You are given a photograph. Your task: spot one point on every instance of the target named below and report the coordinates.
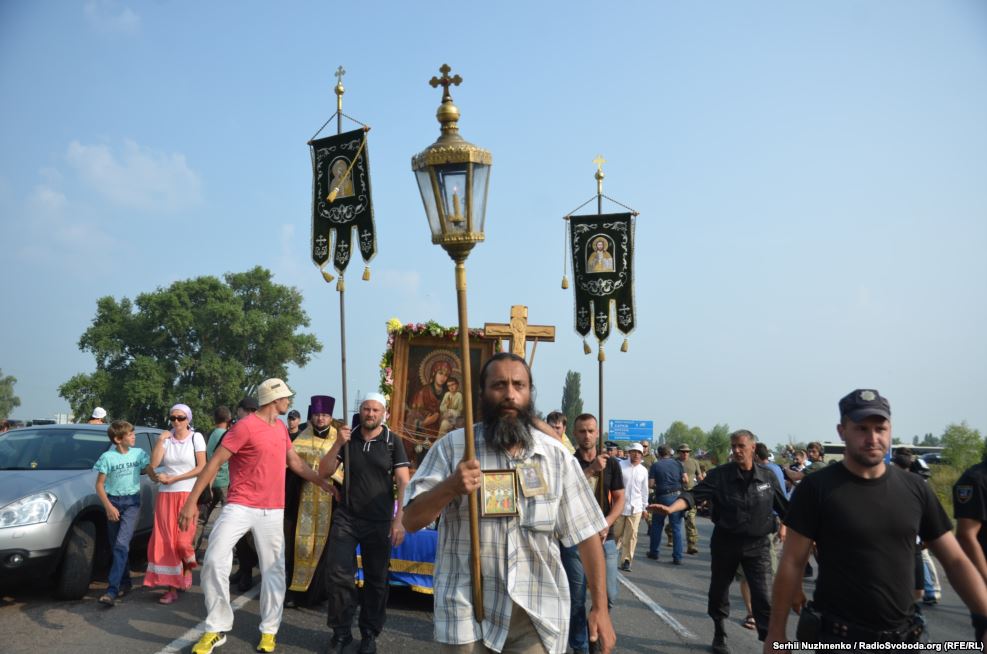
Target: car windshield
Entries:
(51, 449)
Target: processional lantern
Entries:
(452, 176)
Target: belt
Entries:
(848, 632)
(668, 491)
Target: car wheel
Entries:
(72, 578)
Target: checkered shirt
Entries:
(519, 556)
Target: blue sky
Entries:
(810, 178)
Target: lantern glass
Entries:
(452, 190)
(424, 177)
(478, 201)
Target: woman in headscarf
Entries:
(181, 454)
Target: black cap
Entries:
(610, 445)
(248, 404)
(294, 415)
(862, 403)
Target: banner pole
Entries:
(602, 492)
(341, 287)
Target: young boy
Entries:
(118, 487)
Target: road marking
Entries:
(676, 626)
(191, 637)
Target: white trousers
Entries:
(267, 526)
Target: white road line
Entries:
(191, 636)
(676, 626)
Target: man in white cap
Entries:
(636, 499)
(374, 463)
(98, 417)
(257, 448)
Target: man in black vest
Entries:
(373, 463)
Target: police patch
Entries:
(963, 493)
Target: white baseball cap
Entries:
(99, 413)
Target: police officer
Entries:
(970, 511)
(863, 516)
(745, 497)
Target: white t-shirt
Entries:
(179, 458)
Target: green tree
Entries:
(8, 401)
(201, 341)
(676, 434)
(572, 401)
(929, 439)
(962, 446)
(718, 444)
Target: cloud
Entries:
(136, 178)
(47, 200)
(110, 18)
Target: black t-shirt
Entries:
(371, 475)
(865, 533)
(613, 480)
(970, 499)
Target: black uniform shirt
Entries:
(970, 499)
(613, 480)
(741, 507)
(371, 474)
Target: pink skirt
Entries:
(170, 553)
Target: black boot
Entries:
(368, 645)
(719, 638)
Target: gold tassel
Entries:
(340, 285)
(565, 282)
(586, 349)
(601, 357)
(366, 273)
(625, 346)
(326, 275)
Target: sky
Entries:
(810, 179)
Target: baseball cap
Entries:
(294, 415)
(99, 413)
(272, 389)
(248, 404)
(636, 447)
(862, 403)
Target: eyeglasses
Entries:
(177, 418)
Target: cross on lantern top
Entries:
(339, 74)
(599, 161)
(445, 81)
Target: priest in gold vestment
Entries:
(308, 510)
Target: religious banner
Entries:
(602, 256)
(341, 199)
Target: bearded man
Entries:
(525, 591)
(307, 510)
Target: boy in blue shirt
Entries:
(118, 485)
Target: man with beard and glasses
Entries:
(375, 463)
(864, 516)
(525, 592)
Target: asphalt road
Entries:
(661, 608)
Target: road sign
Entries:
(632, 430)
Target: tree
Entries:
(8, 401)
(718, 444)
(676, 434)
(572, 402)
(201, 341)
(962, 446)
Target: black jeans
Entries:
(374, 538)
(727, 551)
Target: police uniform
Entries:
(743, 512)
(970, 501)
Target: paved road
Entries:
(661, 608)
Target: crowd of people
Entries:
(573, 522)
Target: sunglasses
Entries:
(177, 418)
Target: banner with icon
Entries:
(602, 257)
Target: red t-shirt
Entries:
(258, 462)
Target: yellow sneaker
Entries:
(209, 641)
(266, 643)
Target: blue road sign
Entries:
(632, 430)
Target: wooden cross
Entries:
(519, 331)
(339, 74)
(445, 80)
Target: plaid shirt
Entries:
(519, 556)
